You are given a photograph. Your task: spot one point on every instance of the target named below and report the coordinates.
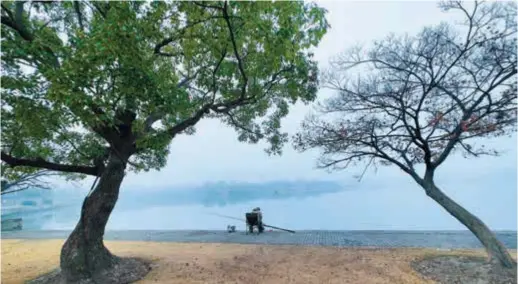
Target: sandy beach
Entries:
(186, 263)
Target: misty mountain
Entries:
(225, 193)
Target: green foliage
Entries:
(65, 61)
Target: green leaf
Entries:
(112, 64)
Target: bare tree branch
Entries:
(26, 181)
(418, 99)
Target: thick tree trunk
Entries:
(495, 249)
(84, 258)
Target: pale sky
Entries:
(386, 199)
(214, 152)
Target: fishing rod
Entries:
(273, 227)
(224, 216)
(238, 219)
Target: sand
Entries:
(234, 263)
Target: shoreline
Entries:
(385, 239)
(297, 230)
(25, 259)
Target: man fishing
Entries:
(256, 211)
(260, 226)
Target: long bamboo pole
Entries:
(273, 227)
(269, 226)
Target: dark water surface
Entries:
(431, 239)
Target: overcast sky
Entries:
(386, 199)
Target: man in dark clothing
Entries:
(260, 226)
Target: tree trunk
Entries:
(84, 258)
(495, 249)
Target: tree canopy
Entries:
(415, 100)
(409, 100)
(77, 74)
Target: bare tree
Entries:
(26, 181)
(416, 100)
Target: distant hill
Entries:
(226, 193)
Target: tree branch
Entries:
(16, 23)
(458, 130)
(40, 163)
(236, 53)
(14, 190)
(26, 181)
(156, 116)
(166, 41)
(173, 131)
(77, 8)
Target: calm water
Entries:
(432, 239)
(378, 209)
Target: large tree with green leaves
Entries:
(415, 100)
(95, 88)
